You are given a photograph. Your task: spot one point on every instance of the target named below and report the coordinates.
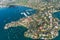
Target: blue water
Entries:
(8, 15)
(13, 14)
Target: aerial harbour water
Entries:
(11, 14)
(25, 20)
